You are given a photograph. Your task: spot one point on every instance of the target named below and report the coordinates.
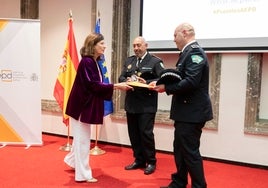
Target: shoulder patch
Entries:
(196, 59)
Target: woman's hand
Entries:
(122, 86)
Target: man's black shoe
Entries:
(173, 184)
(149, 169)
(134, 166)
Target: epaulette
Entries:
(157, 57)
(132, 57)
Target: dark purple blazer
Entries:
(88, 93)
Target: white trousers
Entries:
(79, 156)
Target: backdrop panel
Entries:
(20, 101)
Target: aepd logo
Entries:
(6, 75)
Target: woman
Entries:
(86, 105)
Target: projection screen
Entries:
(219, 24)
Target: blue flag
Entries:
(108, 105)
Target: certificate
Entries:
(139, 84)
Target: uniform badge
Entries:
(196, 59)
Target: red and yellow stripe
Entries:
(67, 73)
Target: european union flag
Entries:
(108, 105)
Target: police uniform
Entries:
(141, 107)
(190, 109)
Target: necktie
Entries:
(138, 62)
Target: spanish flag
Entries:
(67, 72)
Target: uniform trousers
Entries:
(140, 131)
(79, 156)
(187, 155)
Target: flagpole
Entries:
(68, 146)
(96, 150)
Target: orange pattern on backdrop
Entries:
(8, 134)
(3, 23)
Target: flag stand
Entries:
(68, 146)
(96, 150)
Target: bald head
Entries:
(139, 39)
(186, 28)
(140, 46)
(183, 34)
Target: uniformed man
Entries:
(141, 105)
(190, 108)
